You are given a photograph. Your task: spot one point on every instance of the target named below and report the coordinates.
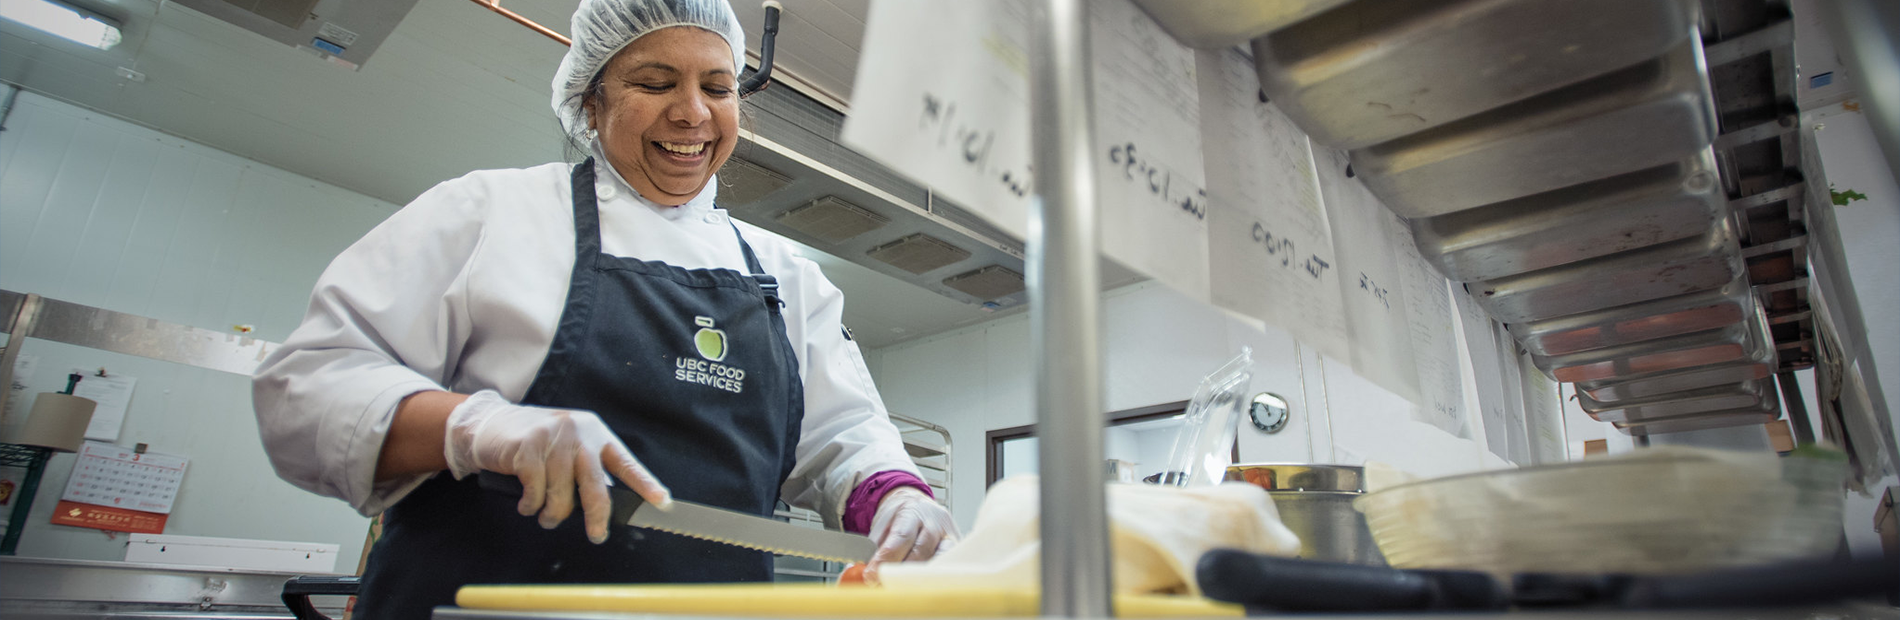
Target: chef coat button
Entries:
(606, 192)
(715, 218)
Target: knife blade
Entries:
(718, 525)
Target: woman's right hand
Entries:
(555, 452)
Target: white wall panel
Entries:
(105, 213)
(1158, 344)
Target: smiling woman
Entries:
(666, 110)
(587, 325)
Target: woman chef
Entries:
(582, 326)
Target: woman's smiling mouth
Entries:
(682, 150)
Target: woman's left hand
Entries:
(909, 527)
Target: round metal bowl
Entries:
(1315, 501)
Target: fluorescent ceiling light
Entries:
(63, 21)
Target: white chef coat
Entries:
(462, 290)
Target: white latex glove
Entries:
(554, 452)
(909, 527)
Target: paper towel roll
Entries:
(58, 421)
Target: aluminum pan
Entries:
(1757, 395)
(1615, 390)
(1649, 320)
(1217, 24)
(1621, 213)
(1376, 70)
(1639, 117)
(1680, 267)
(1700, 423)
(1741, 342)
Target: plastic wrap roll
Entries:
(58, 421)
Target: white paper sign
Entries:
(109, 475)
(1268, 239)
(942, 95)
(1441, 390)
(945, 99)
(1487, 372)
(1543, 414)
(1373, 295)
(24, 367)
(1152, 187)
(114, 395)
(1516, 435)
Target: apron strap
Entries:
(586, 216)
(767, 283)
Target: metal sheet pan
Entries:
(1618, 390)
(1758, 395)
(1700, 423)
(1376, 70)
(1217, 24)
(1680, 267)
(1643, 116)
(1638, 322)
(1747, 341)
(1621, 213)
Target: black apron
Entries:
(690, 367)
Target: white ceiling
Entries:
(454, 88)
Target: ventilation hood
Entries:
(344, 32)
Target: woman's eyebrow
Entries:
(653, 65)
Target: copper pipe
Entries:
(495, 5)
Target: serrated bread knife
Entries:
(717, 524)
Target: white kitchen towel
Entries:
(1157, 535)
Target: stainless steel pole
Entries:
(1065, 303)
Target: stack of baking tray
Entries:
(1555, 157)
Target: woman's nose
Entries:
(691, 108)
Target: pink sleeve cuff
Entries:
(861, 508)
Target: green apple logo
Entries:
(710, 342)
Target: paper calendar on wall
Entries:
(109, 475)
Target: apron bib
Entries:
(691, 368)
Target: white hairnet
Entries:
(603, 27)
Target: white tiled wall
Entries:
(101, 212)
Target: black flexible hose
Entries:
(756, 82)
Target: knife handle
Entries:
(1268, 583)
(624, 501)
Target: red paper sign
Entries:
(108, 518)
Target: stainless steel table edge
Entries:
(1866, 611)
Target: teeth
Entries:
(684, 149)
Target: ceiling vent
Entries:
(742, 183)
(918, 253)
(290, 13)
(832, 219)
(992, 282)
(344, 32)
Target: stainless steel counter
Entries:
(38, 588)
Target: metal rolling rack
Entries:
(929, 448)
(1580, 114)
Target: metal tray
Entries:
(1649, 320)
(1621, 213)
(1758, 395)
(1617, 390)
(1218, 24)
(1704, 262)
(1741, 342)
(1698, 423)
(1380, 69)
(1642, 116)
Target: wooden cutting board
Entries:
(809, 600)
